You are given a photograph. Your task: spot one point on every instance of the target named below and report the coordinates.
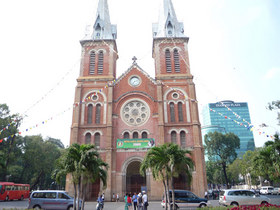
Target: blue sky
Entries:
(234, 53)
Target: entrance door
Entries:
(134, 181)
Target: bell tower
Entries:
(92, 114)
(172, 71)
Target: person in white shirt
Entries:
(145, 200)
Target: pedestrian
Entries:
(118, 197)
(145, 200)
(103, 196)
(134, 199)
(125, 201)
(140, 202)
(113, 197)
(129, 201)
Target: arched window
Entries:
(92, 63)
(183, 139)
(100, 62)
(97, 114)
(168, 61)
(126, 135)
(97, 140)
(88, 138)
(172, 112)
(180, 112)
(176, 61)
(144, 135)
(173, 137)
(89, 114)
(135, 135)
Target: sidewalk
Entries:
(153, 205)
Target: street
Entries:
(154, 205)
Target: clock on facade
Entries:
(134, 81)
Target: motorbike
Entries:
(99, 206)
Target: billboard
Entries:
(135, 143)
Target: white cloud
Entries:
(270, 74)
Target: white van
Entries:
(266, 190)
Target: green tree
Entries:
(166, 162)
(38, 161)
(234, 171)
(275, 105)
(267, 162)
(84, 165)
(8, 148)
(220, 148)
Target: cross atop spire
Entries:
(134, 59)
(168, 25)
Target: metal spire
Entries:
(102, 28)
(168, 25)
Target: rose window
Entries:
(135, 112)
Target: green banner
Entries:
(135, 143)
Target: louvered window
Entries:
(97, 114)
(173, 137)
(168, 61)
(172, 112)
(97, 140)
(176, 61)
(100, 62)
(180, 112)
(88, 138)
(135, 135)
(183, 139)
(89, 114)
(92, 63)
(126, 135)
(144, 135)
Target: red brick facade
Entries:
(109, 108)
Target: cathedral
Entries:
(125, 116)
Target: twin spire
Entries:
(167, 26)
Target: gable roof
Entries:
(136, 66)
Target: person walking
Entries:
(140, 202)
(118, 197)
(125, 201)
(134, 199)
(129, 202)
(145, 200)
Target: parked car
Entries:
(185, 199)
(276, 191)
(266, 190)
(50, 199)
(235, 197)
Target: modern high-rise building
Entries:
(229, 116)
(125, 116)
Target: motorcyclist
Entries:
(100, 202)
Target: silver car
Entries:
(235, 197)
(50, 199)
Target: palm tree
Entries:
(165, 162)
(85, 165)
(156, 160)
(178, 163)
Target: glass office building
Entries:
(226, 117)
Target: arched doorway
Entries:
(181, 182)
(93, 190)
(134, 181)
